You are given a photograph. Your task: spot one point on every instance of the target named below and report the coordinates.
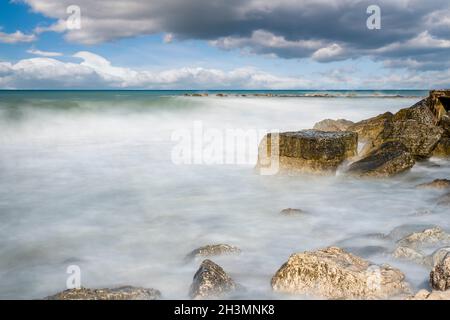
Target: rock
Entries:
(438, 256)
(213, 250)
(370, 129)
(440, 275)
(335, 274)
(122, 293)
(444, 200)
(434, 295)
(443, 148)
(406, 253)
(436, 184)
(333, 125)
(389, 159)
(210, 280)
(308, 151)
(405, 230)
(292, 212)
(426, 237)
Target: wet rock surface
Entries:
(121, 293)
(211, 281)
(309, 151)
(388, 159)
(213, 250)
(335, 274)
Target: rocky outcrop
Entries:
(213, 250)
(122, 293)
(435, 184)
(335, 274)
(210, 281)
(309, 151)
(434, 295)
(440, 275)
(438, 256)
(388, 159)
(370, 129)
(426, 237)
(292, 212)
(333, 125)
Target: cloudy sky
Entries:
(224, 44)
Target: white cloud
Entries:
(330, 53)
(16, 37)
(44, 53)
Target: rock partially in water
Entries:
(426, 237)
(440, 275)
(444, 200)
(308, 151)
(333, 125)
(335, 274)
(406, 253)
(438, 256)
(122, 293)
(434, 295)
(435, 184)
(211, 281)
(292, 212)
(406, 229)
(212, 250)
(370, 129)
(389, 159)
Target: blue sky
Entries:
(217, 44)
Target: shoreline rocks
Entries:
(121, 293)
(440, 275)
(389, 159)
(335, 274)
(307, 151)
(212, 250)
(211, 280)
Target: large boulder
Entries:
(333, 125)
(308, 151)
(388, 159)
(211, 281)
(335, 274)
(213, 250)
(122, 293)
(440, 275)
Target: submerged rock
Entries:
(336, 274)
(434, 295)
(310, 151)
(210, 280)
(389, 159)
(213, 250)
(122, 293)
(426, 237)
(292, 212)
(440, 275)
(436, 184)
(333, 125)
(406, 253)
(444, 200)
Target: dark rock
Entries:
(333, 125)
(440, 275)
(122, 293)
(388, 159)
(307, 151)
(213, 250)
(436, 184)
(210, 280)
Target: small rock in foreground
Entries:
(211, 281)
(122, 293)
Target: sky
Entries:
(224, 44)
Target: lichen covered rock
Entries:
(335, 274)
